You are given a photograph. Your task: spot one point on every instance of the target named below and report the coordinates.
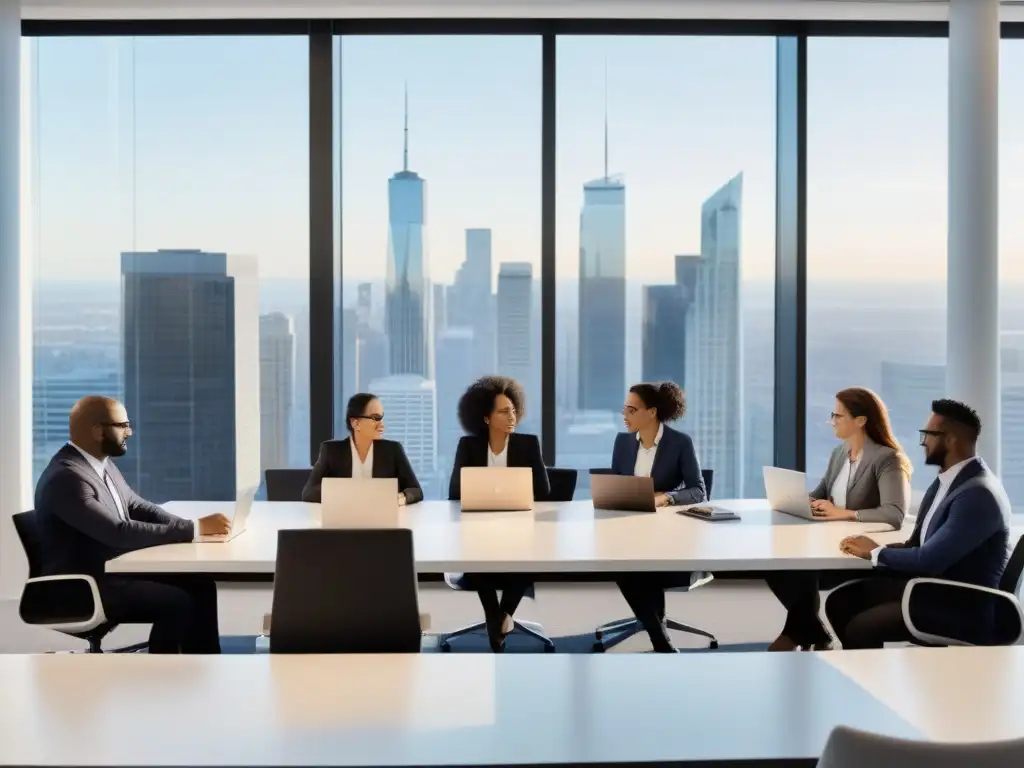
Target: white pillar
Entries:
(972, 288)
(15, 311)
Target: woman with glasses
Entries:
(867, 480)
(651, 448)
(489, 411)
(364, 453)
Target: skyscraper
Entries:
(407, 298)
(664, 334)
(602, 292)
(472, 299)
(515, 335)
(410, 412)
(277, 383)
(714, 342)
(191, 374)
(52, 399)
(456, 368)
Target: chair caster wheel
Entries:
(713, 644)
(445, 647)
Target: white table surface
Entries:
(570, 537)
(426, 709)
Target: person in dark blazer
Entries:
(650, 447)
(868, 481)
(364, 453)
(489, 411)
(88, 515)
(961, 534)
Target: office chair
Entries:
(1009, 615)
(851, 748)
(67, 603)
(563, 488)
(345, 591)
(286, 484)
(611, 634)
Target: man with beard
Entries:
(87, 515)
(961, 534)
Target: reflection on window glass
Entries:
(876, 228)
(439, 147)
(169, 214)
(666, 237)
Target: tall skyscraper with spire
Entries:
(407, 300)
(602, 287)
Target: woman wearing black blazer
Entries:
(488, 411)
(651, 448)
(364, 453)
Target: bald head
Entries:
(99, 425)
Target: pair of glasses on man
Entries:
(372, 417)
(118, 424)
(926, 433)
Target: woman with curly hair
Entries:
(488, 412)
(651, 448)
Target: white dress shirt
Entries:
(361, 470)
(497, 459)
(645, 456)
(842, 481)
(946, 479)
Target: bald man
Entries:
(88, 515)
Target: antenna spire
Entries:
(405, 137)
(606, 120)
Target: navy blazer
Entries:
(79, 526)
(523, 451)
(389, 460)
(676, 471)
(968, 535)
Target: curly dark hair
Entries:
(961, 415)
(666, 397)
(477, 402)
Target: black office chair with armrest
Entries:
(345, 591)
(286, 484)
(852, 748)
(563, 488)
(611, 634)
(68, 603)
(1006, 604)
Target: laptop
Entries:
(496, 489)
(239, 519)
(787, 492)
(622, 493)
(348, 502)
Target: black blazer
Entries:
(79, 526)
(676, 471)
(523, 451)
(389, 460)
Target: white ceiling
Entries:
(626, 9)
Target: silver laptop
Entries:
(622, 493)
(348, 502)
(496, 489)
(787, 492)
(239, 519)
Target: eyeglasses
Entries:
(118, 424)
(629, 410)
(836, 416)
(926, 433)
(372, 416)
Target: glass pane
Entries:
(876, 233)
(666, 244)
(169, 213)
(440, 164)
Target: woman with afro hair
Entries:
(489, 411)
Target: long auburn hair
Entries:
(860, 401)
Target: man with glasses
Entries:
(961, 534)
(88, 515)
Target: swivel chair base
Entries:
(531, 628)
(609, 635)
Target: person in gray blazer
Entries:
(867, 480)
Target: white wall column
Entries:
(15, 311)
(972, 292)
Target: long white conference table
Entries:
(494, 710)
(554, 538)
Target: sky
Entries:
(203, 142)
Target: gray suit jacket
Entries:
(78, 520)
(879, 491)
